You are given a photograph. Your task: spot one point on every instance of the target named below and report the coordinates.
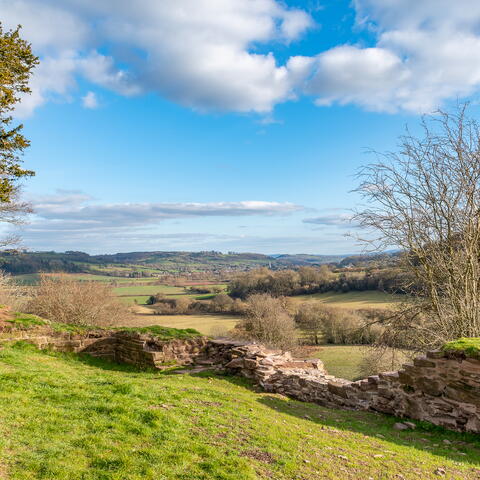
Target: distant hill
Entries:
(159, 262)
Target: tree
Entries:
(267, 321)
(425, 201)
(310, 317)
(16, 64)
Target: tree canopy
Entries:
(16, 65)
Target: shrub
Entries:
(11, 294)
(267, 321)
(338, 326)
(66, 300)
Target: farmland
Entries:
(353, 300)
(208, 324)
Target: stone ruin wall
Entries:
(437, 388)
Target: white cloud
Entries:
(342, 220)
(90, 100)
(200, 53)
(69, 211)
(426, 53)
(205, 54)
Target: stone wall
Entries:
(438, 388)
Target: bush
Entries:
(339, 326)
(11, 294)
(267, 321)
(66, 300)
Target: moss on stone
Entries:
(469, 347)
(164, 333)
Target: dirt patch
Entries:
(259, 455)
(5, 315)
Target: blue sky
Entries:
(226, 125)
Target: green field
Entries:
(65, 417)
(352, 300)
(341, 360)
(344, 360)
(149, 290)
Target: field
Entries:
(65, 417)
(341, 360)
(352, 300)
(131, 290)
(208, 324)
(344, 360)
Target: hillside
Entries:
(150, 263)
(70, 417)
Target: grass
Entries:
(208, 324)
(148, 290)
(164, 333)
(65, 417)
(341, 360)
(352, 300)
(25, 320)
(470, 347)
(135, 299)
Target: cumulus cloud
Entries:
(90, 100)
(425, 52)
(200, 53)
(214, 55)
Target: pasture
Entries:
(208, 324)
(352, 300)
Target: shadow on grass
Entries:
(459, 447)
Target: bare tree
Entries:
(267, 321)
(425, 201)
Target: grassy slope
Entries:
(64, 417)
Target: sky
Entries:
(230, 125)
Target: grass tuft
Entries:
(470, 347)
(164, 333)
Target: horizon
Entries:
(195, 125)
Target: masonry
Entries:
(440, 388)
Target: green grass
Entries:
(148, 290)
(344, 360)
(164, 333)
(353, 300)
(26, 320)
(135, 299)
(469, 347)
(65, 417)
(341, 360)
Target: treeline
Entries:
(16, 263)
(221, 303)
(307, 280)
